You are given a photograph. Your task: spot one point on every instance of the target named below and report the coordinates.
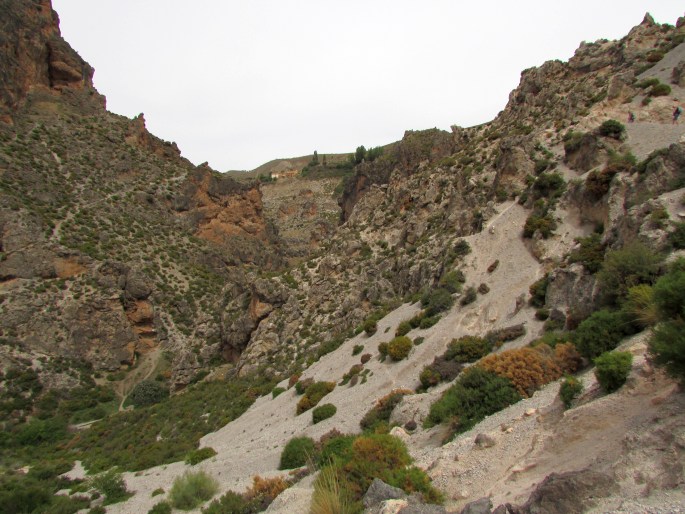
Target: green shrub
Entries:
(660, 89)
(601, 332)
(160, 508)
(231, 503)
(429, 321)
(549, 185)
(677, 237)
(467, 349)
(276, 391)
(296, 453)
(542, 222)
(382, 410)
(337, 447)
(612, 128)
(302, 385)
(569, 390)
(399, 348)
(622, 269)
(355, 370)
(147, 393)
(475, 395)
(612, 369)
(383, 350)
(538, 292)
(191, 489)
(441, 370)
(370, 326)
(199, 455)
(667, 345)
(111, 485)
(403, 328)
(436, 301)
(419, 340)
(322, 412)
(470, 295)
(312, 396)
(358, 348)
(669, 292)
(452, 281)
(590, 253)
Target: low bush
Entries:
(365, 358)
(667, 343)
(527, 368)
(632, 265)
(148, 392)
(112, 486)
(543, 223)
(230, 503)
(467, 349)
(589, 253)
(354, 370)
(429, 321)
(476, 394)
(381, 412)
(196, 456)
(302, 385)
(677, 237)
(569, 390)
(191, 489)
(313, 395)
(277, 391)
(538, 292)
(403, 328)
(469, 296)
(502, 335)
(612, 369)
(160, 508)
(660, 89)
(358, 348)
(567, 357)
(296, 453)
(370, 326)
(601, 332)
(322, 412)
(452, 281)
(399, 348)
(612, 128)
(437, 301)
(549, 185)
(383, 350)
(441, 370)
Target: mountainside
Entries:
(511, 254)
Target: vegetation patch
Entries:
(322, 412)
(190, 490)
(612, 369)
(381, 412)
(313, 395)
(197, 456)
(399, 348)
(296, 453)
(476, 394)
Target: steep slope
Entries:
(131, 249)
(121, 244)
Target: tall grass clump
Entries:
(192, 489)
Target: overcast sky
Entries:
(238, 83)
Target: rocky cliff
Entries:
(119, 243)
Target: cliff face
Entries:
(34, 55)
(122, 246)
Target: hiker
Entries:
(631, 117)
(676, 113)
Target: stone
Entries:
(480, 506)
(484, 441)
(379, 492)
(561, 493)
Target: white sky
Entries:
(238, 83)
